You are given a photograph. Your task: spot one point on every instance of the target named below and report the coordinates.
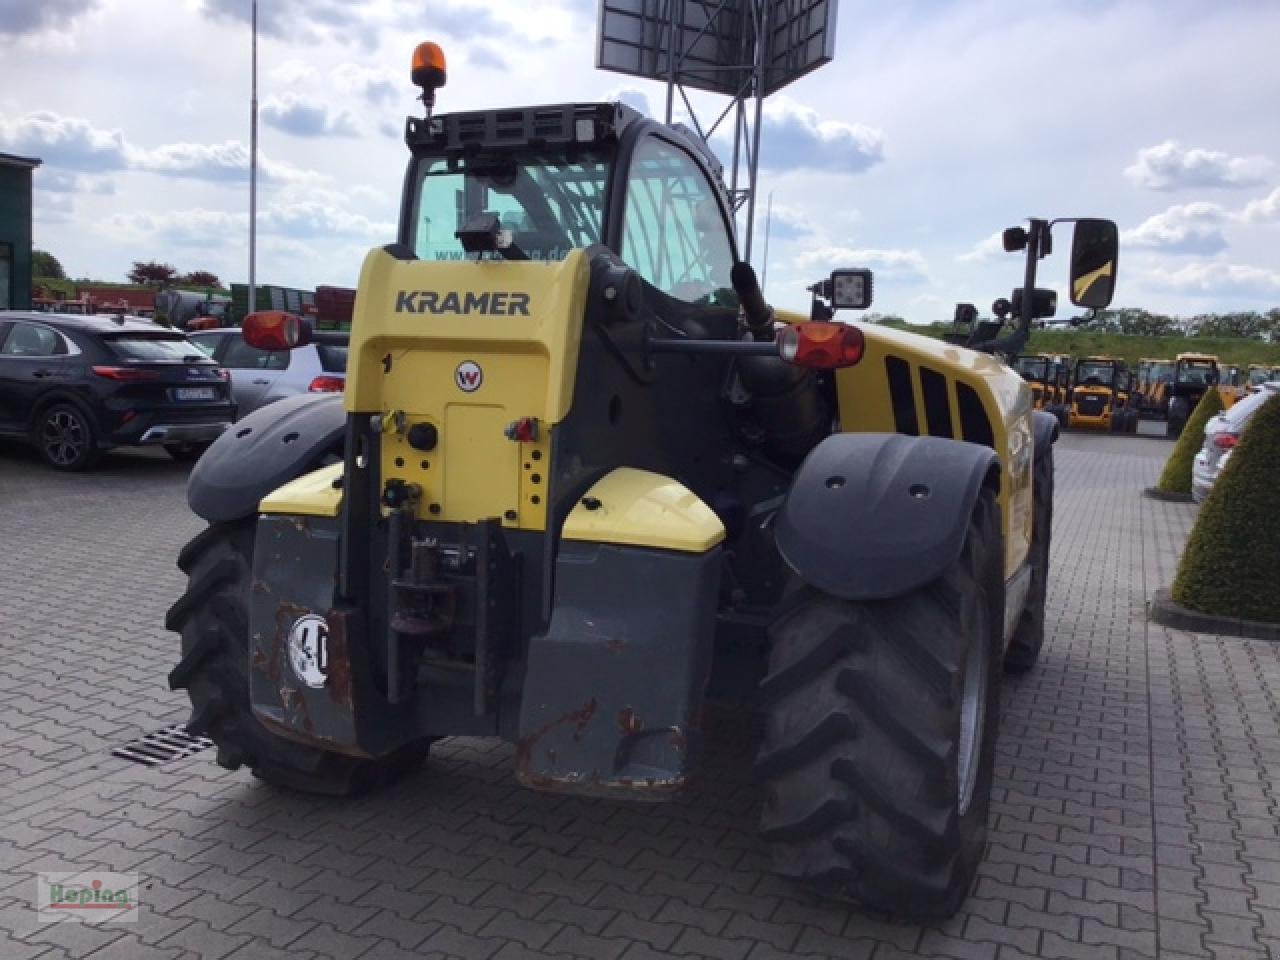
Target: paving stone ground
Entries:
(1134, 812)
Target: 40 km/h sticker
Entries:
(309, 649)
(468, 376)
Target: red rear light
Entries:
(128, 374)
(1226, 441)
(276, 330)
(224, 373)
(324, 384)
(821, 346)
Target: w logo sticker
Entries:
(468, 376)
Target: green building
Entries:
(15, 231)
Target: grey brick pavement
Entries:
(1133, 816)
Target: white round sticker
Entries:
(468, 376)
(309, 649)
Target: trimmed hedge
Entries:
(1176, 477)
(1231, 566)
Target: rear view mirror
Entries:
(1095, 251)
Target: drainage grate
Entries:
(163, 746)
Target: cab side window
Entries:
(674, 234)
(29, 340)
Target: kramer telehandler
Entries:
(581, 468)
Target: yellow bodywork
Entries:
(405, 366)
(867, 406)
(409, 367)
(640, 508)
(311, 495)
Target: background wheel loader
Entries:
(1044, 374)
(1103, 396)
(581, 470)
(1193, 374)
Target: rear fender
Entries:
(1045, 429)
(872, 515)
(273, 445)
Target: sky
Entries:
(937, 124)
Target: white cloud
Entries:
(24, 17)
(53, 208)
(1221, 279)
(1170, 166)
(297, 221)
(988, 249)
(291, 72)
(1266, 210)
(69, 142)
(794, 137)
(306, 117)
(902, 266)
(369, 83)
(1183, 228)
(73, 143)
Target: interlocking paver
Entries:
(1133, 815)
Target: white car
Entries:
(1221, 434)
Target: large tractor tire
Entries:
(881, 726)
(213, 618)
(1028, 633)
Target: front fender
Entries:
(268, 448)
(874, 515)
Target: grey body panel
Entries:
(873, 515)
(263, 451)
(614, 687)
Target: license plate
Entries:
(194, 393)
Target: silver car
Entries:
(259, 377)
(1221, 434)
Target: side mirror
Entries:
(1095, 252)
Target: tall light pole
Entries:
(253, 166)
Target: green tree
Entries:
(1176, 477)
(200, 278)
(45, 266)
(1232, 562)
(152, 274)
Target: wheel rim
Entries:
(64, 437)
(973, 712)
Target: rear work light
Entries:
(1226, 441)
(127, 374)
(276, 330)
(821, 346)
(325, 384)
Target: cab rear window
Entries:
(175, 349)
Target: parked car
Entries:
(259, 377)
(1221, 434)
(73, 386)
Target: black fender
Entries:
(271, 446)
(1045, 430)
(874, 515)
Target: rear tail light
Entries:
(324, 384)
(276, 330)
(821, 346)
(128, 374)
(224, 374)
(1226, 441)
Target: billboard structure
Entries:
(742, 49)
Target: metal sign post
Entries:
(742, 49)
